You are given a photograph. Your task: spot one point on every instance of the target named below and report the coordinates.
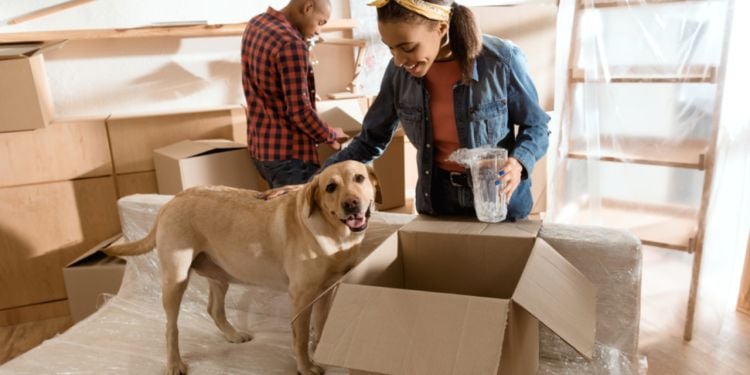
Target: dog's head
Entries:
(345, 193)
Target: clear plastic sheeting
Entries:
(126, 336)
(607, 360)
(636, 104)
(653, 131)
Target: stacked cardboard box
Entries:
(25, 101)
(56, 201)
(42, 228)
(59, 186)
(91, 276)
(134, 138)
(205, 162)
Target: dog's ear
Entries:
(375, 183)
(311, 190)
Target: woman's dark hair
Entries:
(465, 38)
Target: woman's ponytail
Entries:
(465, 39)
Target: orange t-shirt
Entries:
(440, 80)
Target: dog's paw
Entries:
(312, 370)
(239, 337)
(176, 369)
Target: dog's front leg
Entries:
(319, 316)
(301, 298)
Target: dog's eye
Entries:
(359, 178)
(330, 188)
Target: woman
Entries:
(451, 88)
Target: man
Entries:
(283, 128)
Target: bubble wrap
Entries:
(126, 336)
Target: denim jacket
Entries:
(499, 95)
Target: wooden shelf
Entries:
(361, 43)
(598, 4)
(687, 154)
(183, 31)
(666, 227)
(648, 74)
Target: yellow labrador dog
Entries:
(302, 241)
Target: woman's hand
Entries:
(510, 177)
(275, 193)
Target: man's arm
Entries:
(293, 64)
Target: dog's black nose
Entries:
(351, 206)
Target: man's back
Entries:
(280, 89)
(264, 35)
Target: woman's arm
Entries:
(524, 110)
(379, 125)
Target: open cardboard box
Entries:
(205, 162)
(457, 297)
(25, 100)
(90, 276)
(389, 167)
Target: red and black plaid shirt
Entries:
(280, 90)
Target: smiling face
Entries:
(414, 44)
(345, 193)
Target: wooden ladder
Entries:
(665, 226)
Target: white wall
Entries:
(99, 77)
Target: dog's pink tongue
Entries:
(356, 221)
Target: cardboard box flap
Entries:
(100, 246)
(26, 49)
(520, 229)
(398, 331)
(355, 107)
(559, 296)
(187, 149)
(338, 118)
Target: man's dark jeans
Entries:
(280, 173)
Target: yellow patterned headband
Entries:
(430, 11)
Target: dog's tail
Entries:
(139, 247)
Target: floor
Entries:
(718, 347)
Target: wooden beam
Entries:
(648, 74)
(687, 153)
(181, 31)
(743, 303)
(630, 3)
(344, 42)
(47, 11)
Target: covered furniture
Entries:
(126, 335)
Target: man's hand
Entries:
(341, 136)
(275, 193)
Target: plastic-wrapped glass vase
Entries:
(485, 162)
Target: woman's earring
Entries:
(447, 39)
